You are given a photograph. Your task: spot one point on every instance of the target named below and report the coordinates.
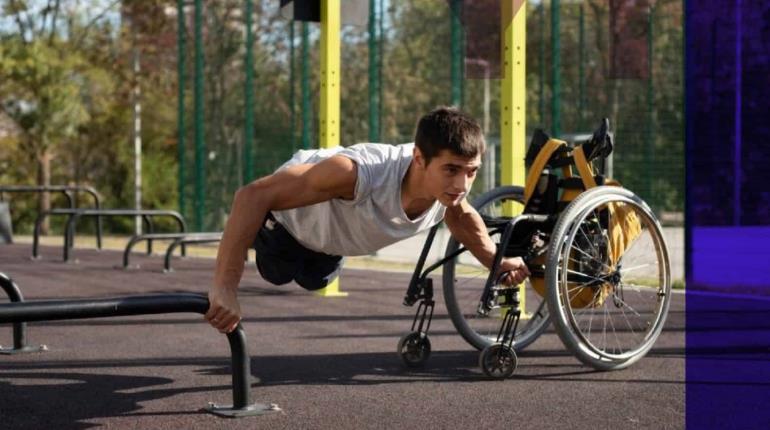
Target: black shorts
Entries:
(281, 259)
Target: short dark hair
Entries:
(449, 128)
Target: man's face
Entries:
(449, 177)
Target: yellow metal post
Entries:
(329, 112)
(513, 92)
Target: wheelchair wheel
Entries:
(414, 349)
(498, 361)
(608, 298)
(464, 278)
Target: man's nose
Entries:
(462, 183)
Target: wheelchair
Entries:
(596, 253)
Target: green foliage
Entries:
(67, 82)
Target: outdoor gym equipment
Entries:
(178, 239)
(68, 192)
(73, 215)
(185, 240)
(19, 328)
(50, 310)
(598, 260)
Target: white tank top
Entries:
(374, 218)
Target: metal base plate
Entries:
(22, 350)
(254, 409)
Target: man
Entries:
(325, 204)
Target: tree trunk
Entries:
(44, 179)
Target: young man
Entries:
(325, 204)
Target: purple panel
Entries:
(728, 213)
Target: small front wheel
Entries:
(498, 361)
(414, 348)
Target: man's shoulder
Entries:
(371, 152)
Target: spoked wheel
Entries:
(498, 361)
(464, 278)
(608, 278)
(414, 348)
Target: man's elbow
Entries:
(254, 193)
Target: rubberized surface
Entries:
(327, 362)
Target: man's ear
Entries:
(418, 157)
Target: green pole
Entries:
(456, 53)
(582, 72)
(305, 88)
(381, 44)
(541, 66)
(180, 146)
(374, 84)
(650, 108)
(248, 138)
(292, 105)
(200, 192)
(555, 66)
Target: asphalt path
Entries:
(326, 362)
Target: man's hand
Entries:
(515, 269)
(224, 312)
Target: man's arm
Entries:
(468, 228)
(293, 187)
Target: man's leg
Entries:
(319, 270)
(278, 259)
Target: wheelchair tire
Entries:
(464, 278)
(626, 305)
(414, 349)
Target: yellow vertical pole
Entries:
(329, 112)
(513, 92)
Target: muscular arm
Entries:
(468, 228)
(293, 187)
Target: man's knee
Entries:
(277, 273)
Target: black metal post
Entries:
(19, 328)
(195, 238)
(51, 310)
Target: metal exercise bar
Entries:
(51, 310)
(75, 214)
(67, 191)
(19, 328)
(193, 238)
(149, 237)
(164, 236)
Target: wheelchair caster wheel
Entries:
(498, 361)
(414, 348)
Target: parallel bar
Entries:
(75, 214)
(19, 328)
(164, 236)
(66, 190)
(185, 240)
(52, 310)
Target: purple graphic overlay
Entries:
(727, 77)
